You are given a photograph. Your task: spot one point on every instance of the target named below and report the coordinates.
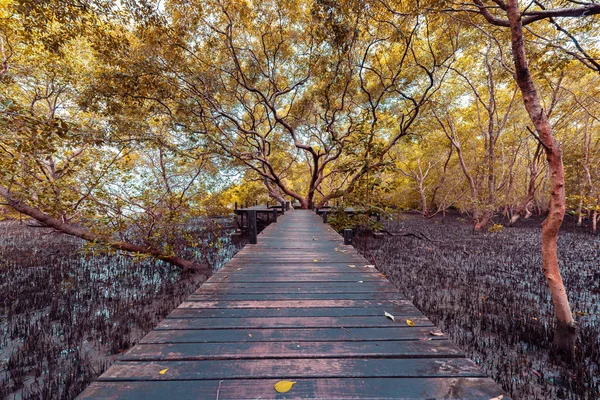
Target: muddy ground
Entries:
(66, 312)
(488, 292)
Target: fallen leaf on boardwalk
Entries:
(409, 322)
(284, 386)
(390, 316)
(315, 260)
(336, 249)
(498, 398)
(352, 266)
(250, 334)
(360, 281)
(436, 333)
(381, 275)
(369, 266)
(163, 371)
(343, 251)
(239, 269)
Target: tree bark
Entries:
(84, 234)
(565, 334)
(534, 173)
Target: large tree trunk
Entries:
(84, 234)
(565, 334)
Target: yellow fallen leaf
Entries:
(315, 260)
(436, 333)
(390, 316)
(410, 323)
(284, 386)
(163, 371)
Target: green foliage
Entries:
(340, 220)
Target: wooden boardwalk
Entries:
(298, 306)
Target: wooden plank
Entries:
(189, 312)
(298, 335)
(290, 303)
(349, 277)
(294, 368)
(298, 296)
(289, 322)
(336, 388)
(273, 349)
(266, 289)
(350, 286)
(285, 269)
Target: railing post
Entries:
(274, 215)
(282, 207)
(235, 206)
(287, 206)
(252, 227)
(348, 236)
(324, 215)
(378, 217)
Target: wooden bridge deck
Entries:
(298, 306)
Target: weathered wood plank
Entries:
(349, 277)
(349, 286)
(267, 289)
(198, 312)
(290, 303)
(352, 388)
(289, 322)
(298, 335)
(375, 295)
(295, 269)
(273, 349)
(294, 368)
